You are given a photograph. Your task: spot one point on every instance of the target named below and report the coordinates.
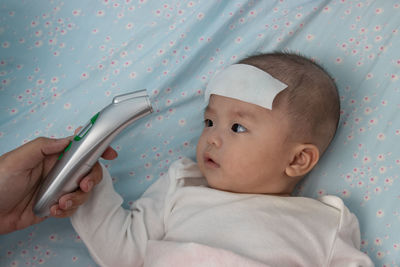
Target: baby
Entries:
(267, 122)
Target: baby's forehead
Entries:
(233, 107)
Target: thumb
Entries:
(35, 151)
(49, 146)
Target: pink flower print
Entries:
(38, 33)
(380, 213)
(84, 76)
(367, 47)
(13, 111)
(345, 193)
(380, 255)
(5, 82)
(366, 159)
(182, 122)
(373, 179)
(378, 241)
(378, 38)
(382, 169)
(378, 190)
(76, 12)
(389, 181)
(381, 137)
(160, 52)
(129, 26)
(100, 13)
(34, 24)
(339, 60)
(38, 43)
(362, 31)
(327, 9)
(132, 75)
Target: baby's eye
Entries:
(237, 128)
(208, 123)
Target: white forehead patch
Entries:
(246, 83)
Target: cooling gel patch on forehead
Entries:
(246, 83)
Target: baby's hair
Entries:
(311, 99)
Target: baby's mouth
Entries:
(210, 162)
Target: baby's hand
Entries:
(69, 203)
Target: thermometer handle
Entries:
(88, 145)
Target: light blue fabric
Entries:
(62, 61)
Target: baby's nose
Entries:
(215, 138)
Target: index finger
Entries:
(29, 154)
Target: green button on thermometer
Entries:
(87, 128)
(81, 134)
(88, 145)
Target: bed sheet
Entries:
(62, 61)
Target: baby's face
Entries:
(243, 147)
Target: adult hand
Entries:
(21, 173)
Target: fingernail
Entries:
(68, 204)
(90, 185)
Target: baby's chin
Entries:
(221, 187)
(243, 190)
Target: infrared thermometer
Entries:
(88, 145)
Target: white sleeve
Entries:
(115, 236)
(346, 247)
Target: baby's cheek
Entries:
(236, 166)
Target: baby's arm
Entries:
(118, 237)
(346, 247)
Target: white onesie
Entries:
(179, 208)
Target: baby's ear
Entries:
(305, 157)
